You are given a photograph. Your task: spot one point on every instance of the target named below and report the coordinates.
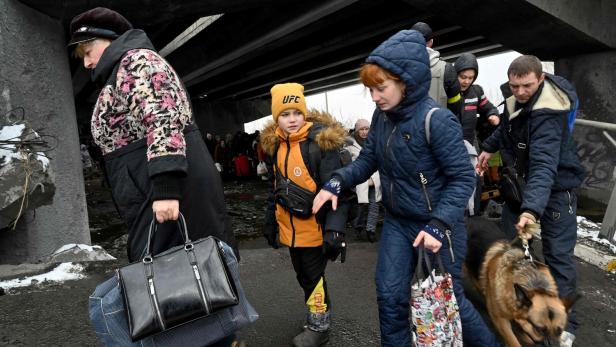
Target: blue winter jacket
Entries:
(553, 163)
(398, 148)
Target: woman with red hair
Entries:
(426, 183)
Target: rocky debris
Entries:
(23, 168)
(246, 203)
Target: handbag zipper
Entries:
(201, 290)
(424, 181)
(155, 302)
(448, 234)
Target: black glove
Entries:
(270, 232)
(334, 245)
(450, 81)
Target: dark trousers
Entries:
(309, 265)
(558, 235)
(367, 214)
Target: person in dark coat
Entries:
(536, 140)
(210, 143)
(478, 116)
(426, 186)
(155, 158)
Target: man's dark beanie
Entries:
(98, 22)
(424, 29)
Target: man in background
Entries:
(444, 87)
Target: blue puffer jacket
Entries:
(554, 164)
(398, 148)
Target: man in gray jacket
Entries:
(444, 87)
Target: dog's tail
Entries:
(482, 234)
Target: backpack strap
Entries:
(314, 161)
(427, 123)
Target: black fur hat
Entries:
(98, 22)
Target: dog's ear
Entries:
(522, 296)
(569, 300)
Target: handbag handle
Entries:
(154, 226)
(423, 258)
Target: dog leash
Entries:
(533, 229)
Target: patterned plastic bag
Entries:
(435, 316)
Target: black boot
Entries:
(311, 338)
(371, 236)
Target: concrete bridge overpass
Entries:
(233, 59)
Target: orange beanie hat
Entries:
(286, 96)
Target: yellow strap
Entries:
(454, 99)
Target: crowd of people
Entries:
(417, 166)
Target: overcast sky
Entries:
(351, 103)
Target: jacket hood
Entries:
(132, 39)
(434, 56)
(327, 132)
(405, 55)
(467, 61)
(557, 94)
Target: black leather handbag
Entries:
(177, 286)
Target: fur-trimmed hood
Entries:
(327, 132)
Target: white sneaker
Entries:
(566, 339)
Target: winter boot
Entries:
(316, 331)
(311, 338)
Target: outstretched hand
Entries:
(482, 162)
(323, 197)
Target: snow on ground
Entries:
(590, 230)
(63, 272)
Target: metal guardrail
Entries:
(608, 226)
(595, 124)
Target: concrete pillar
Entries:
(593, 76)
(35, 75)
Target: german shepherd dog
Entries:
(520, 294)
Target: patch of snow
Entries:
(589, 230)
(8, 152)
(63, 272)
(81, 246)
(11, 131)
(40, 156)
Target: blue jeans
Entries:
(558, 236)
(395, 266)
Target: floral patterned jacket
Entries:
(146, 101)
